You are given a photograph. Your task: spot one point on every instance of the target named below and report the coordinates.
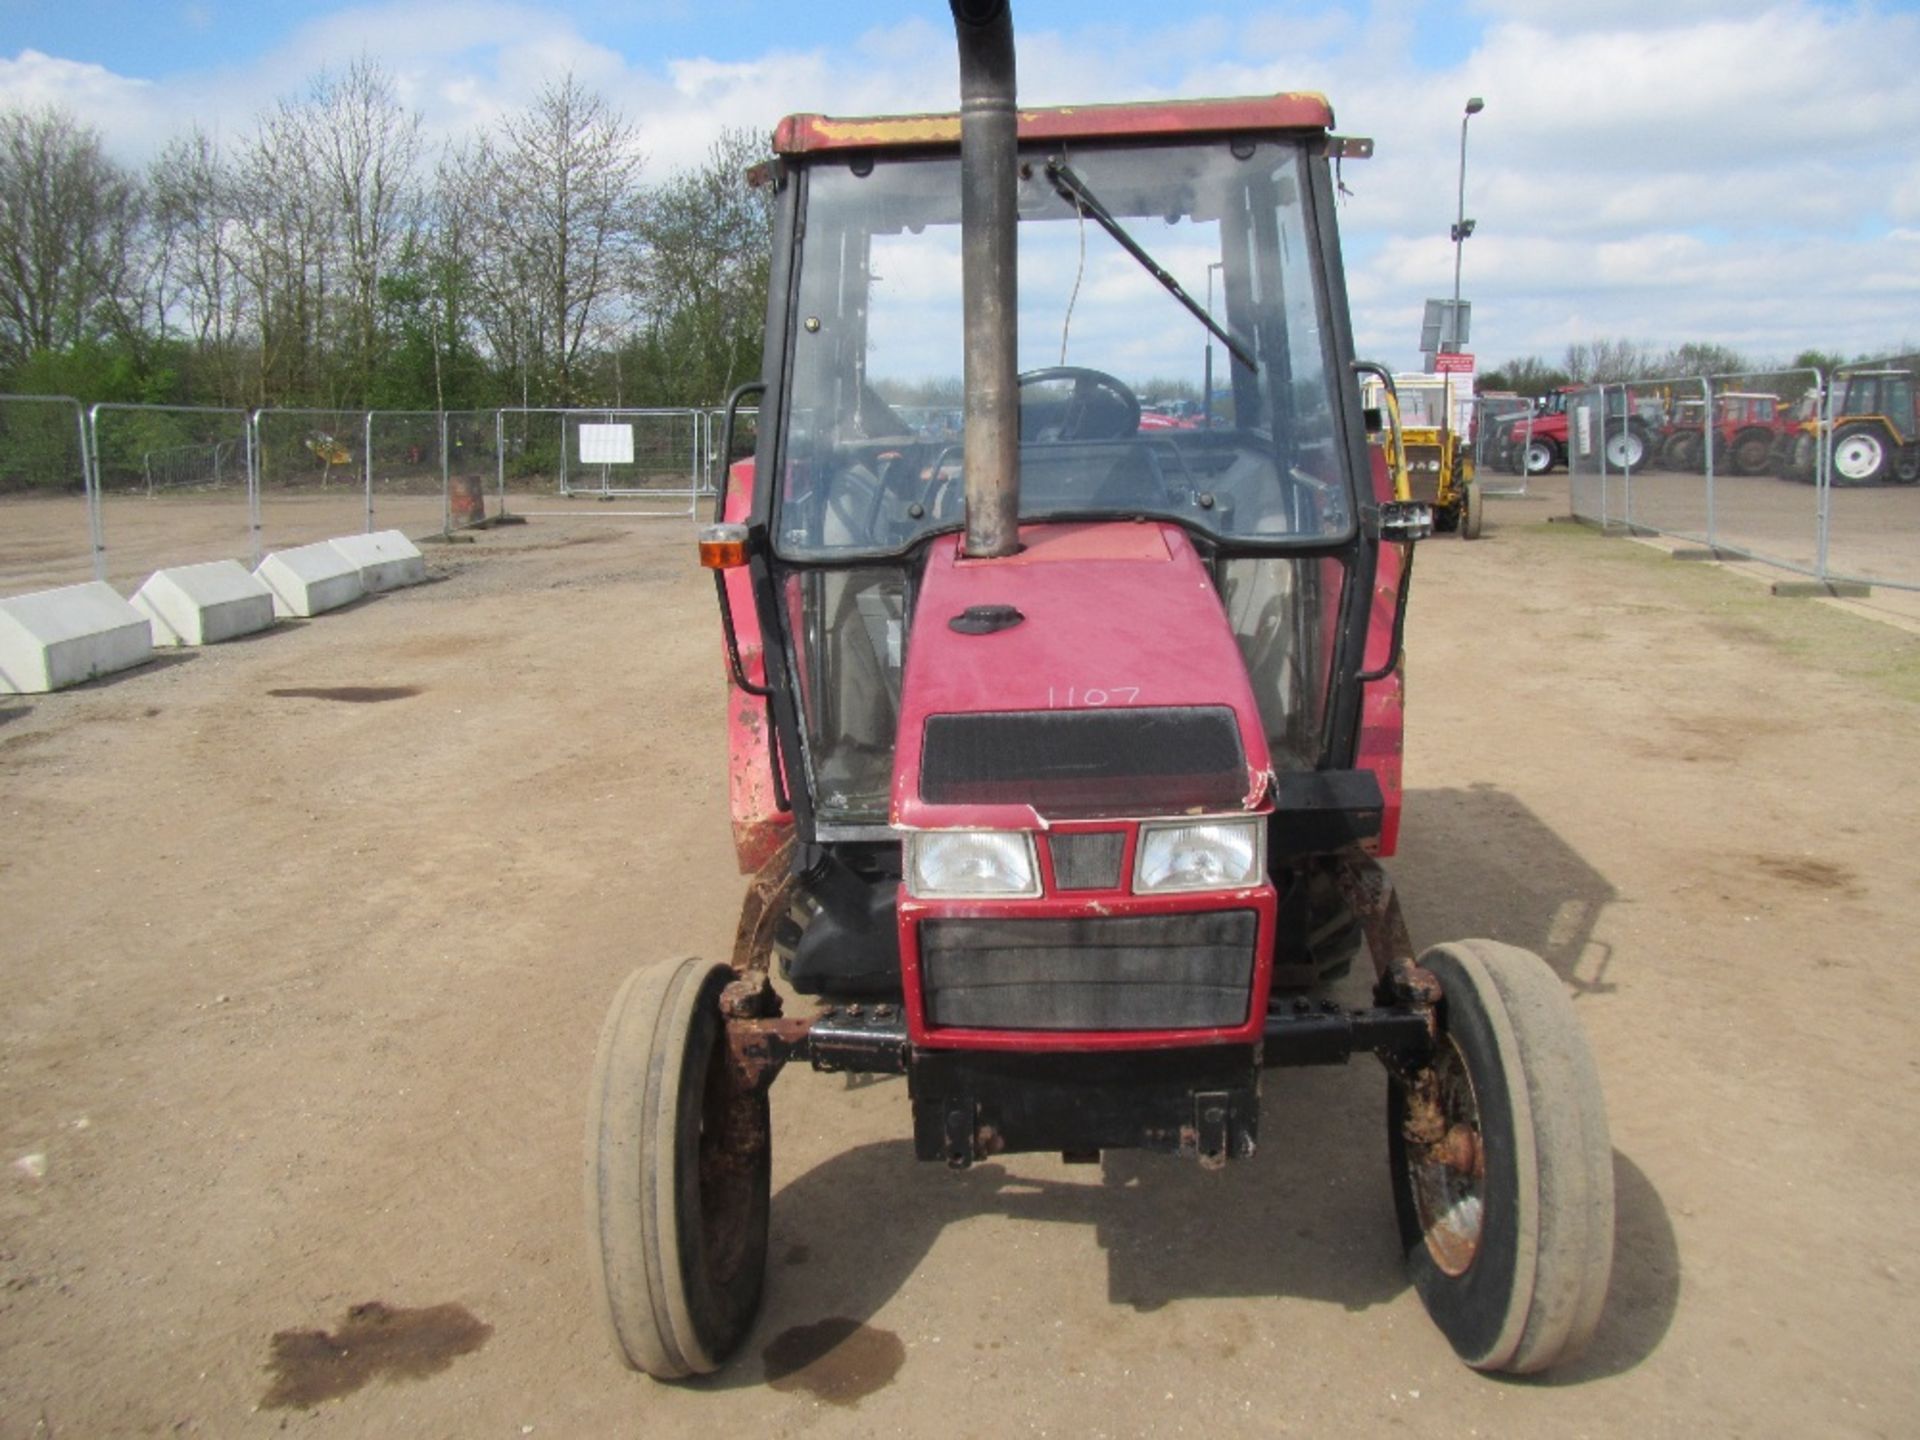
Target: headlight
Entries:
(949, 864)
(1201, 855)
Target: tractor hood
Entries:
(1091, 674)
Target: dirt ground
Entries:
(302, 992)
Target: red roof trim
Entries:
(806, 134)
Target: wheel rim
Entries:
(1446, 1161)
(1625, 451)
(732, 1147)
(1858, 457)
(1539, 458)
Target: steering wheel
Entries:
(1101, 407)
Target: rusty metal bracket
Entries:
(759, 1049)
(1399, 978)
(767, 899)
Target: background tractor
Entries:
(1746, 427)
(1064, 756)
(1876, 433)
(1535, 445)
(1439, 453)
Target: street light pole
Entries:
(1206, 396)
(1462, 227)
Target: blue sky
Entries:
(1747, 173)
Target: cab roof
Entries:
(1158, 119)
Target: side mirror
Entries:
(1404, 521)
(1374, 420)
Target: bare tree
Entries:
(1608, 362)
(364, 150)
(559, 196)
(67, 214)
(193, 218)
(282, 214)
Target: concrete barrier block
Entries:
(310, 579)
(387, 559)
(204, 604)
(55, 638)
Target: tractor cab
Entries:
(1064, 750)
(1124, 216)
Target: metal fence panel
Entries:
(311, 475)
(653, 461)
(1502, 431)
(1587, 486)
(412, 460)
(1666, 488)
(1766, 504)
(48, 523)
(174, 487)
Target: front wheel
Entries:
(1860, 456)
(1541, 456)
(1470, 513)
(1751, 448)
(1626, 448)
(1681, 451)
(677, 1176)
(1502, 1167)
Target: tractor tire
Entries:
(1626, 447)
(1906, 464)
(677, 1175)
(1541, 456)
(1750, 452)
(1681, 451)
(1471, 515)
(1504, 1188)
(1861, 455)
(1800, 454)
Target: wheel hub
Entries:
(1857, 456)
(1446, 1160)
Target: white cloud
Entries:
(1688, 169)
(31, 81)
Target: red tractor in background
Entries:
(1535, 445)
(1064, 757)
(1746, 427)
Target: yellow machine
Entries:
(329, 452)
(1439, 451)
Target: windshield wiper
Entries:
(1073, 188)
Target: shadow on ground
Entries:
(1314, 1223)
(1476, 862)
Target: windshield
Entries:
(1130, 402)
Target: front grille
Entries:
(1067, 763)
(1154, 972)
(1088, 862)
(1423, 483)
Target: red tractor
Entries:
(1746, 427)
(1534, 445)
(1064, 757)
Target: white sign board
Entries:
(606, 444)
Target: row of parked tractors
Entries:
(1874, 423)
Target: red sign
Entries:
(1457, 363)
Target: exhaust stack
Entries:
(989, 188)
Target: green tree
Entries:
(708, 237)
